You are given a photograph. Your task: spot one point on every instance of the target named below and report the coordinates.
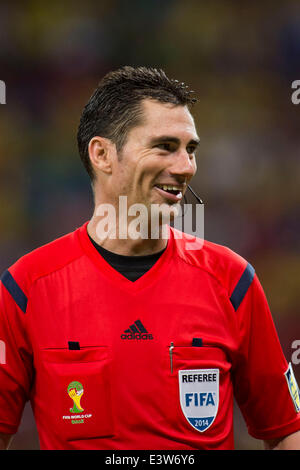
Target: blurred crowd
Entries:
(239, 57)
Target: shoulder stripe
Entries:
(242, 286)
(14, 290)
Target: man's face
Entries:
(158, 159)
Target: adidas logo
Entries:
(136, 331)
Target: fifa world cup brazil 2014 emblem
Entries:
(75, 391)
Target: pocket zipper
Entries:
(197, 342)
(171, 347)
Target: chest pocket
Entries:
(199, 393)
(73, 392)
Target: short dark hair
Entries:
(115, 106)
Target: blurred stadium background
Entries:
(239, 57)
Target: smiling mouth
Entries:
(170, 191)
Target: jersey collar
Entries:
(155, 273)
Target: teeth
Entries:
(168, 187)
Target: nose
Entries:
(184, 164)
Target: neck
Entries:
(118, 238)
(114, 229)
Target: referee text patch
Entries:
(199, 396)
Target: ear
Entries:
(100, 153)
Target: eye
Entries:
(191, 149)
(164, 146)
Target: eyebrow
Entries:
(175, 140)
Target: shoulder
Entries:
(41, 262)
(228, 268)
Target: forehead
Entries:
(166, 119)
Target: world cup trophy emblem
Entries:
(75, 391)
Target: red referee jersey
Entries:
(153, 364)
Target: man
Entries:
(125, 342)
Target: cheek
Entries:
(141, 177)
(138, 174)
(123, 175)
(128, 182)
(152, 168)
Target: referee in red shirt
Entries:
(125, 342)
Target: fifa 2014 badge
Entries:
(75, 391)
(293, 387)
(199, 396)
